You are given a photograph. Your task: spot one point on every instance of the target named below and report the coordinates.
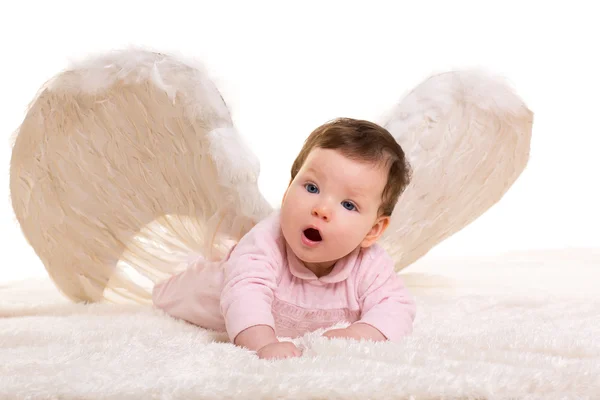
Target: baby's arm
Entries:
(256, 337)
(250, 280)
(386, 304)
(262, 339)
(387, 308)
(357, 331)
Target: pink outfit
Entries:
(261, 282)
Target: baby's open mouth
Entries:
(313, 235)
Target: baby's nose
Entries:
(321, 212)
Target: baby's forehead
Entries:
(319, 154)
(322, 162)
(356, 175)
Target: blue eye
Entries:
(348, 206)
(311, 188)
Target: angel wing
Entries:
(125, 164)
(467, 135)
(128, 162)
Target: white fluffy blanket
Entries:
(521, 326)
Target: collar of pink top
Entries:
(341, 270)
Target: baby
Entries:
(314, 262)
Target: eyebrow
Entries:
(313, 171)
(354, 193)
(358, 194)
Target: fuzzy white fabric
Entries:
(520, 326)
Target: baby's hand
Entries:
(356, 331)
(279, 350)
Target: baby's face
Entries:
(331, 206)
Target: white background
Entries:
(285, 69)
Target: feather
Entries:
(127, 165)
(467, 136)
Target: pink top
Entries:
(261, 282)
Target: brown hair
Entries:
(364, 141)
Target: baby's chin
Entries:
(313, 259)
(316, 256)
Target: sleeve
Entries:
(192, 295)
(385, 302)
(251, 275)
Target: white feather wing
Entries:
(467, 136)
(125, 164)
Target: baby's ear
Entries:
(376, 231)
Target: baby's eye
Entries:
(311, 188)
(348, 206)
